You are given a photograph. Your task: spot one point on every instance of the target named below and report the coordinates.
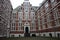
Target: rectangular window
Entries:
(18, 28)
(13, 24)
(19, 24)
(59, 20)
(53, 23)
(13, 28)
(46, 26)
(41, 26)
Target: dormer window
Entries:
(52, 0)
(46, 5)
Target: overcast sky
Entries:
(16, 3)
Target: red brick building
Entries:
(5, 14)
(48, 18)
(23, 20)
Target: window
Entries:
(21, 8)
(52, 0)
(46, 25)
(46, 4)
(26, 10)
(31, 8)
(19, 24)
(58, 12)
(19, 35)
(0, 19)
(12, 28)
(58, 0)
(33, 14)
(41, 26)
(22, 28)
(13, 24)
(2, 6)
(58, 35)
(43, 34)
(33, 35)
(12, 35)
(53, 23)
(19, 28)
(59, 20)
(50, 34)
(1, 1)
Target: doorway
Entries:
(26, 30)
(27, 34)
(58, 35)
(50, 34)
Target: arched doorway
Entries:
(26, 30)
(27, 34)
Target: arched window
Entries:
(50, 34)
(12, 35)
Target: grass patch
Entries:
(30, 38)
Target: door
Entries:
(26, 30)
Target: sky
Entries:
(16, 3)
